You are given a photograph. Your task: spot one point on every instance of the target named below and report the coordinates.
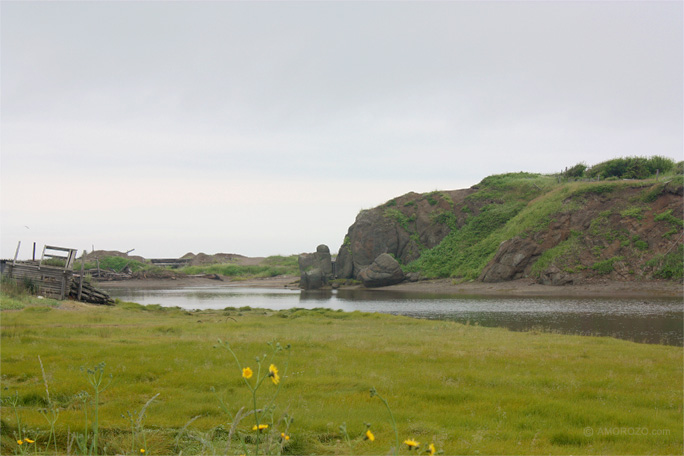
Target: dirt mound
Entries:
(99, 254)
(202, 259)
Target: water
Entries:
(659, 321)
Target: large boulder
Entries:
(554, 276)
(511, 260)
(384, 271)
(315, 268)
(313, 279)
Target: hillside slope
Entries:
(524, 225)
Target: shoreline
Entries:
(522, 287)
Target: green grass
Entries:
(606, 266)
(468, 389)
(399, 217)
(669, 265)
(116, 264)
(556, 255)
(634, 212)
(632, 167)
(667, 217)
(269, 267)
(20, 294)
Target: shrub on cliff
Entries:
(631, 167)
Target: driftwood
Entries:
(207, 276)
(107, 274)
(89, 293)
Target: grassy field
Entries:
(467, 389)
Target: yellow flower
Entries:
(273, 373)
(142, 450)
(431, 449)
(260, 428)
(284, 436)
(412, 444)
(247, 372)
(27, 440)
(20, 442)
(369, 435)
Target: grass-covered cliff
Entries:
(621, 219)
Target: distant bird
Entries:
(27, 227)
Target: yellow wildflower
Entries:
(20, 442)
(27, 440)
(431, 449)
(142, 450)
(247, 372)
(260, 428)
(412, 444)
(284, 436)
(273, 373)
(369, 435)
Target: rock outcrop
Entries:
(384, 271)
(315, 268)
(402, 227)
(554, 276)
(512, 260)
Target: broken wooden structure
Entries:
(53, 279)
(172, 263)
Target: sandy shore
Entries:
(440, 287)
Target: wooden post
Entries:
(80, 282)
(62, 292)
(34, 251)
(16, 254)
(657, 174)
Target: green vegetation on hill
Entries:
(632, 167)
(465, 252)
(524, 204)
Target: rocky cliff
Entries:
(403, 227)
(526, 225)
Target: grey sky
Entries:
(264, 127)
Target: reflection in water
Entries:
(640, 320)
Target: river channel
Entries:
(656, 321)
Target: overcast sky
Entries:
(263, 128)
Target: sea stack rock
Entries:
(384, 271)
(315, 268)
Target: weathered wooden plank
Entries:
(49, 281)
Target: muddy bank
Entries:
(526, 287)
(184, 282)
(523, 287)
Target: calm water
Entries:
(641, 320)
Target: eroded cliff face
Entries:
(619, 230)
(617, 235)
(403, 227)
